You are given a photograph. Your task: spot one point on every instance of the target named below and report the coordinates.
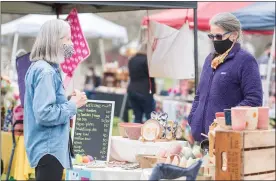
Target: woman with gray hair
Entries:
(230, 76)
(46, 109)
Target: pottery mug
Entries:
(227, 115)
(263, 117)
(244, 118)
(238, 116)
(219, 115)
(252, 118)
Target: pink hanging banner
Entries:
(81, 47)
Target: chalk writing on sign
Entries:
(92, 129)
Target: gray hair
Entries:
(228, 22)
(47, 45)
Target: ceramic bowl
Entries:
(133, 131)
(122, 129)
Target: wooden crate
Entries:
(250, 155)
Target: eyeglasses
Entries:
(217, 36)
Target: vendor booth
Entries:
(257, 18)
(84, 7)
(162, 147)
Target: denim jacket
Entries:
(47, 114)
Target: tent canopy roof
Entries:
(206, 10)
(92, 25)
(258, 16)
(172, 17)
(255, 17)
(63, 7)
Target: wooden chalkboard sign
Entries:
(92, 129)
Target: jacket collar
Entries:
(56, 66)
(236, 48)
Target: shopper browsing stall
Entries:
(230, 76)
(141, 87)
(46, 109)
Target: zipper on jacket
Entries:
(206, 100)
(207, 96)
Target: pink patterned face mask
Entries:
(68, 50)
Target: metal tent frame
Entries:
(64, 7)
(55, 7)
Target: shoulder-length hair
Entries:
(47, 45)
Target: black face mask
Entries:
(222, 45)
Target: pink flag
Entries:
(81, 47)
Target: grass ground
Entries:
(116, 120)
(168, 83)
(115, 130)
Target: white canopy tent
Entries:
(92, 25)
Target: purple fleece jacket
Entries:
(236, 82)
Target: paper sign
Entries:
(78, 174)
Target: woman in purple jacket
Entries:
(230, 76)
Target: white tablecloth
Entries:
(124, 149)
(103, 173)
(83, 173)
(146, 173)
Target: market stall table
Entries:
(124, 149)
(146, 173)
(84, 173)
(103, 173)
(20, 169)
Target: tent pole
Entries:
(13, 57)
(195, 48)
(58, 10)
(102, 54)
(269, 69)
